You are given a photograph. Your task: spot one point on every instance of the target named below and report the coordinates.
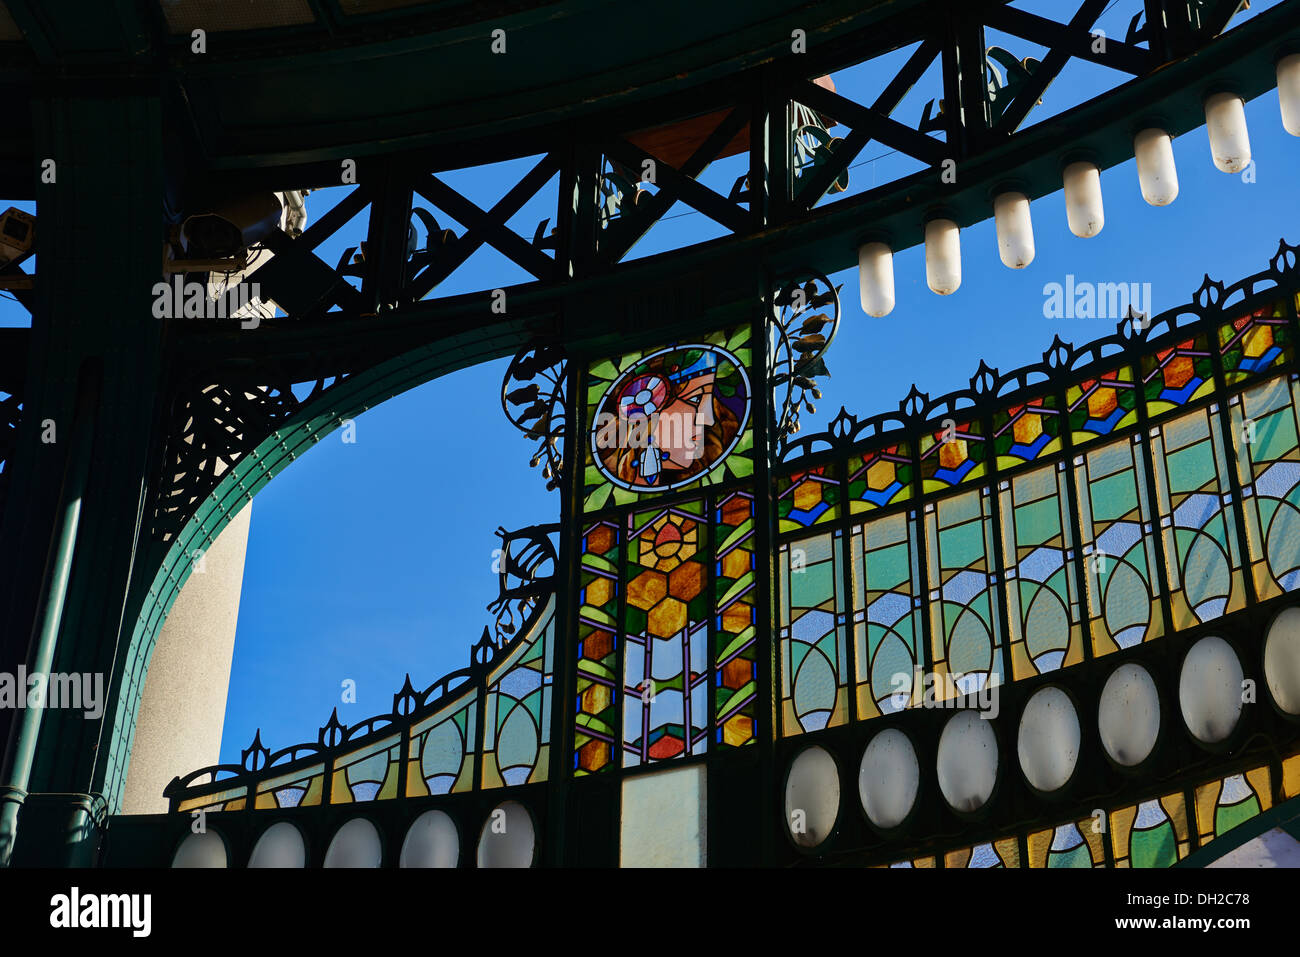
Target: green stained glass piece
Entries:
(813, 585)
(604, 370)
(814, 688)
(1228, 816)
(1154, 847)
(1075, 857)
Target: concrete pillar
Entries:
(183, 708)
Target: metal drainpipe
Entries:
(21, 753)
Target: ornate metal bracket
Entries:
(806, 315)
(533, 399)
(526, 563)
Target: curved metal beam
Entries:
(828, 236)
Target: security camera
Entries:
(17, 234)
(226, 229)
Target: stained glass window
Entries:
(671, 418)
(299, 789)
(233, 799)
(1151, 834)
(597, 647)
(1001, 853)
(666, 657)
(1025, 432)
(517, 709)
(1291, 777)
(1041, 578)
(1178, 375)
(1072, 844)
(807, 498)
(953, 455)
(1120, 564)
(1222, 805)
(1258, 341)
(880, 478)
(887, 620)
(736, 640)
(812, 620)
(1101, 406)
(1264, 433)
(367, 774)
(965, 627)
(1203, 563)
(442, 751)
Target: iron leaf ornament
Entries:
(806, 316)
(532, 397)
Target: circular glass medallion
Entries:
(671, 418)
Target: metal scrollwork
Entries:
(806, 317)
(525, 563)
(532, 397)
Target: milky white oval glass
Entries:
(876, 279)
(967, 761)
(355, 844)
(1084, 210)
(280, 845)
(1288, 92)
(1015, 229)
(812, 797)
(1048, 742)
(1128, 715)
(508, 838)
(1225, 120)
(1282, 660)
(201, 850)
(889, 778)
(1157, 174)
(431, 841)
(1209, 690)
(942, 256)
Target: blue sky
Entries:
(372, 559)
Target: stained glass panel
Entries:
(1258, 341)
(1222, 805)
(1025, 432)
(672, 418)
(1193, 499)
(880, 478)
(953, 455)
(442, 751)
(887, 621)
(807, 498)
(367, 774)
(517, 709)
(666, 657)
(1264, 433)
(300, 789)
(1072, 844)
(812, 641)
(233, 799)
(966, 633)
(1040, 573)
(917, 862)
(1291, 777)
(597, 649)
(1151, 834)
(1001, 853)
(735, 587)
(1099, 407)
(1173, 377)
(1118, 547)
